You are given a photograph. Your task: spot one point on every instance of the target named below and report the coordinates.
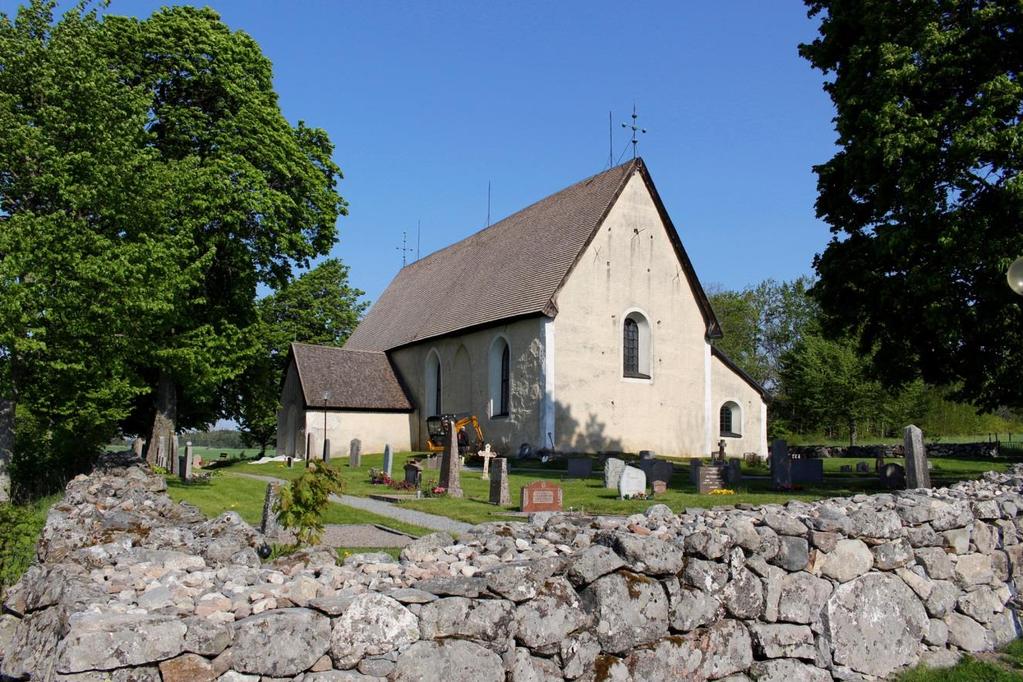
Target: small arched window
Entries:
(433, 385)
(500, 378)
(636, 347)
(731, 420)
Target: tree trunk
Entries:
(6, 447)
(158, 451)
(852, 432)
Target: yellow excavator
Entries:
(463, 422)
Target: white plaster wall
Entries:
(630, 265)
(374, 429)
(726, 386)
(505, 434)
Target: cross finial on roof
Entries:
(635, 129)
(404, 249)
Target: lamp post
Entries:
(326, 441)
(1015, 276)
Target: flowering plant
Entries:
(722, 491)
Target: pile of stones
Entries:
(133, 587)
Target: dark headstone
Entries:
(499, 493)
(733, 471)
(781, 465)
(710, 477)
(862, 468)
(807, 470)
(646, 454)
(326, 449)
(451, 464)
(185, 465)
(413, 473)
(656, 470)
(540, 496)
(917, 473)
(579, 467)
(893, 477)
(846, 468)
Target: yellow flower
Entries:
(722, 491)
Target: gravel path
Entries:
(413, 516)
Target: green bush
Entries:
(19, 531)
(302, 504)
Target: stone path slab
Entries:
(413, 516)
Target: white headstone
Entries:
(632, 482)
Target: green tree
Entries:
(257, 196)
(319, 307)
(302, 503)
(925, 196)
(82, 272)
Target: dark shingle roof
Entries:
(355, 379)
(511, 269)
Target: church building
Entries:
(576, 324)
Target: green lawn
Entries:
(1006, 666)
(226, 492)
(818, 439)
(590, 495)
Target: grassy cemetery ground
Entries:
(589, 495)
(1005, 666)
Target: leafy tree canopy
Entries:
(924, 196)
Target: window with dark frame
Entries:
(726, 419)
(631, 349)
(505, 382)
(436, 397)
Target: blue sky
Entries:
(428, 101)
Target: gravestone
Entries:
(893, 476)
(291, 461)
(917, 473)
(656, 470)
(499, 493)
(862, 468)
(486, 454)
(781, 465)
(541, 496)
(719, 455)
(710, 477)
(845, 469)
(185, 465)
(160, 458)
(579, 467)
(326, 449)
(451, 463)
(388, 460)
(413, 473)
(270, 526)
(694, 470)
(632, 482)
(612, 472)
(806, 470)
(659, 487)
(733, 471)
(645, 455)
(355, 453)
(136, 446)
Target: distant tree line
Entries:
(827, 386)
(149, 185)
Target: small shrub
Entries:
(303, 502)
(19, 531)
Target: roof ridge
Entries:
(634, 162)
(324, 345)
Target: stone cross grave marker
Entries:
(326, 449)
(719, 456)
(355, 453)
(270, 526)
(579, 467)
(632, 482)
(487, 454)
(451, 464)
(612, 472)
(917, 473)
(499, 494)
(781, 465)
(185, 464)
(541, 496)
(388, 459)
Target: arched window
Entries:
(731, 420)
(433, 384)
(636, 347)
(500, 378)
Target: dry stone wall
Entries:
(133, 587)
